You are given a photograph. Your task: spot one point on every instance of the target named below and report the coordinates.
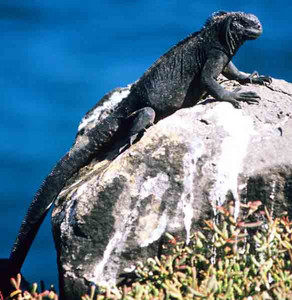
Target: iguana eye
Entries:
(244, 22)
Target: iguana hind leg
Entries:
(140, 121)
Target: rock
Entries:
(115, 212)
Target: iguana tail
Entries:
(45, 197)
(37, 211)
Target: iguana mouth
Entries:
(254, 33)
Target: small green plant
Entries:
(248, 258)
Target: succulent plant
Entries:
(18, 294)
(248, 258)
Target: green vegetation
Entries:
(248, 258)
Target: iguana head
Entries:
(245, 26)
(233, 29)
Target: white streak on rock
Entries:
(98, 275)
(69, 217)
(239, 129)
(273, 195)
(155, 234)
(153, 225)
(187, 198)
(152, 231)
(155, 186)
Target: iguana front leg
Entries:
(213, 67)
(232, 73)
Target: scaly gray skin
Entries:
(177, 79)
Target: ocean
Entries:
(58, 58)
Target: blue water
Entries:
(57, 58)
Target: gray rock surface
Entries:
(115, 212)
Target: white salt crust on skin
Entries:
(101, 112)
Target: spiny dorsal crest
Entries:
(215, 16)
(221, 15)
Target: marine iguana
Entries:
(176, 80)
